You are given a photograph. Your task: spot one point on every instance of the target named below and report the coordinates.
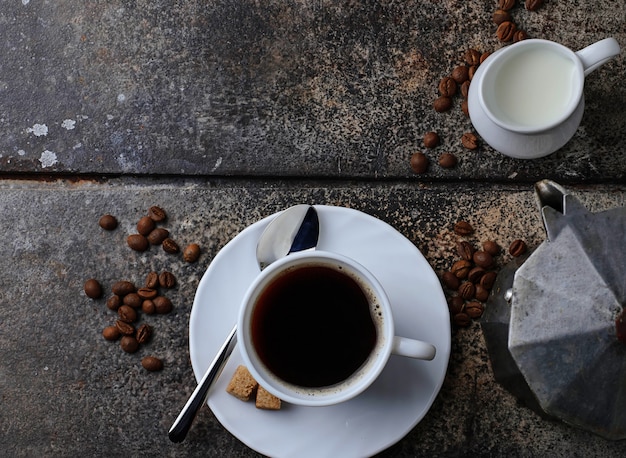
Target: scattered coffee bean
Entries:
(456, 305)
(144, 333)
(481, 294)
(474, 309)
(123, 287)
(533, 5)
(506, 31)
(419, 162)
(152, 364)
(129, 344)
(471, 73)
(145, 225)
(484, 56)
(442, 104)
(461, 320)
(170, 246)
(487, 281)
(517, 248)
(447, 160)
(132, 300)
(148, 307)
(469, 140)
(137, 242)
(506, 4)
(167, 280)
(465, 89)
(162, 304)
(191, 253)
(472, 57)
(460, 74)
(431, 139)
(152, 280)
(147, 293)
(461, 269)
(491, 247)
(450, 280)
(447, 86)
(157, 236)
(111, 333)
(125, 328)
(475, 274)
(92, 288)
(520, 35)
(127, 314)
(465, 250)
(465, 107)
(157, 214)
(107, 222)
(114, 302)
(467, 290)
(483, 259)
(463, 228)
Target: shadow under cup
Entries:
(532, 86)
(315, 328)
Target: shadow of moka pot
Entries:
(552, 322)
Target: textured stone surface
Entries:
(298, 88)
(66, 391)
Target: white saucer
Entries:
(384, 413)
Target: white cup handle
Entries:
(598, 54)
(411, 348)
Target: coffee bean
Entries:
(132, 300)
(145, 225)
(461, 320)
(157, 236)
(114, 302)
(447, 87)
(127, 314)
(123, 287)
(505, 31)
(520, 35)
(465, 89)
(419, 162)
(144, 333)
(463, 228)
(129, 344)
(157, 214)
(447, 160)
(442, 104)
(469, 140)
(191, 253)
(481, 293)
(460, 74)
(137, 242)
(152, 280)
(167, 280)
(152, 364)
(170, 246)
(533, 5)
(125, 328)
(467, 290)
(506, 4)
(484, 56)
(450, 281)
(487, 281)
(456, 305)
(92, 288)
(475, 274)
(517, 248)
(471, 73)
(431, 139)
(148, 307)
(500, 16)
(465, 250)
(474, 309)
(107, 222)
(111, 333)
(472, 57)
(491, 247)
(465, 107)
(461, 269)
(162, 304)
(483, 259)
(147, 293)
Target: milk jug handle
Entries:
(598, 54)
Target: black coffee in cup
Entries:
(312, 326)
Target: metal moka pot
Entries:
(550, 322)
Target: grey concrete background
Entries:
(223, 112)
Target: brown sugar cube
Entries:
(242, 385)
(266, 400)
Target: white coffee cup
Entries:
(526, 100)
(310, 351)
